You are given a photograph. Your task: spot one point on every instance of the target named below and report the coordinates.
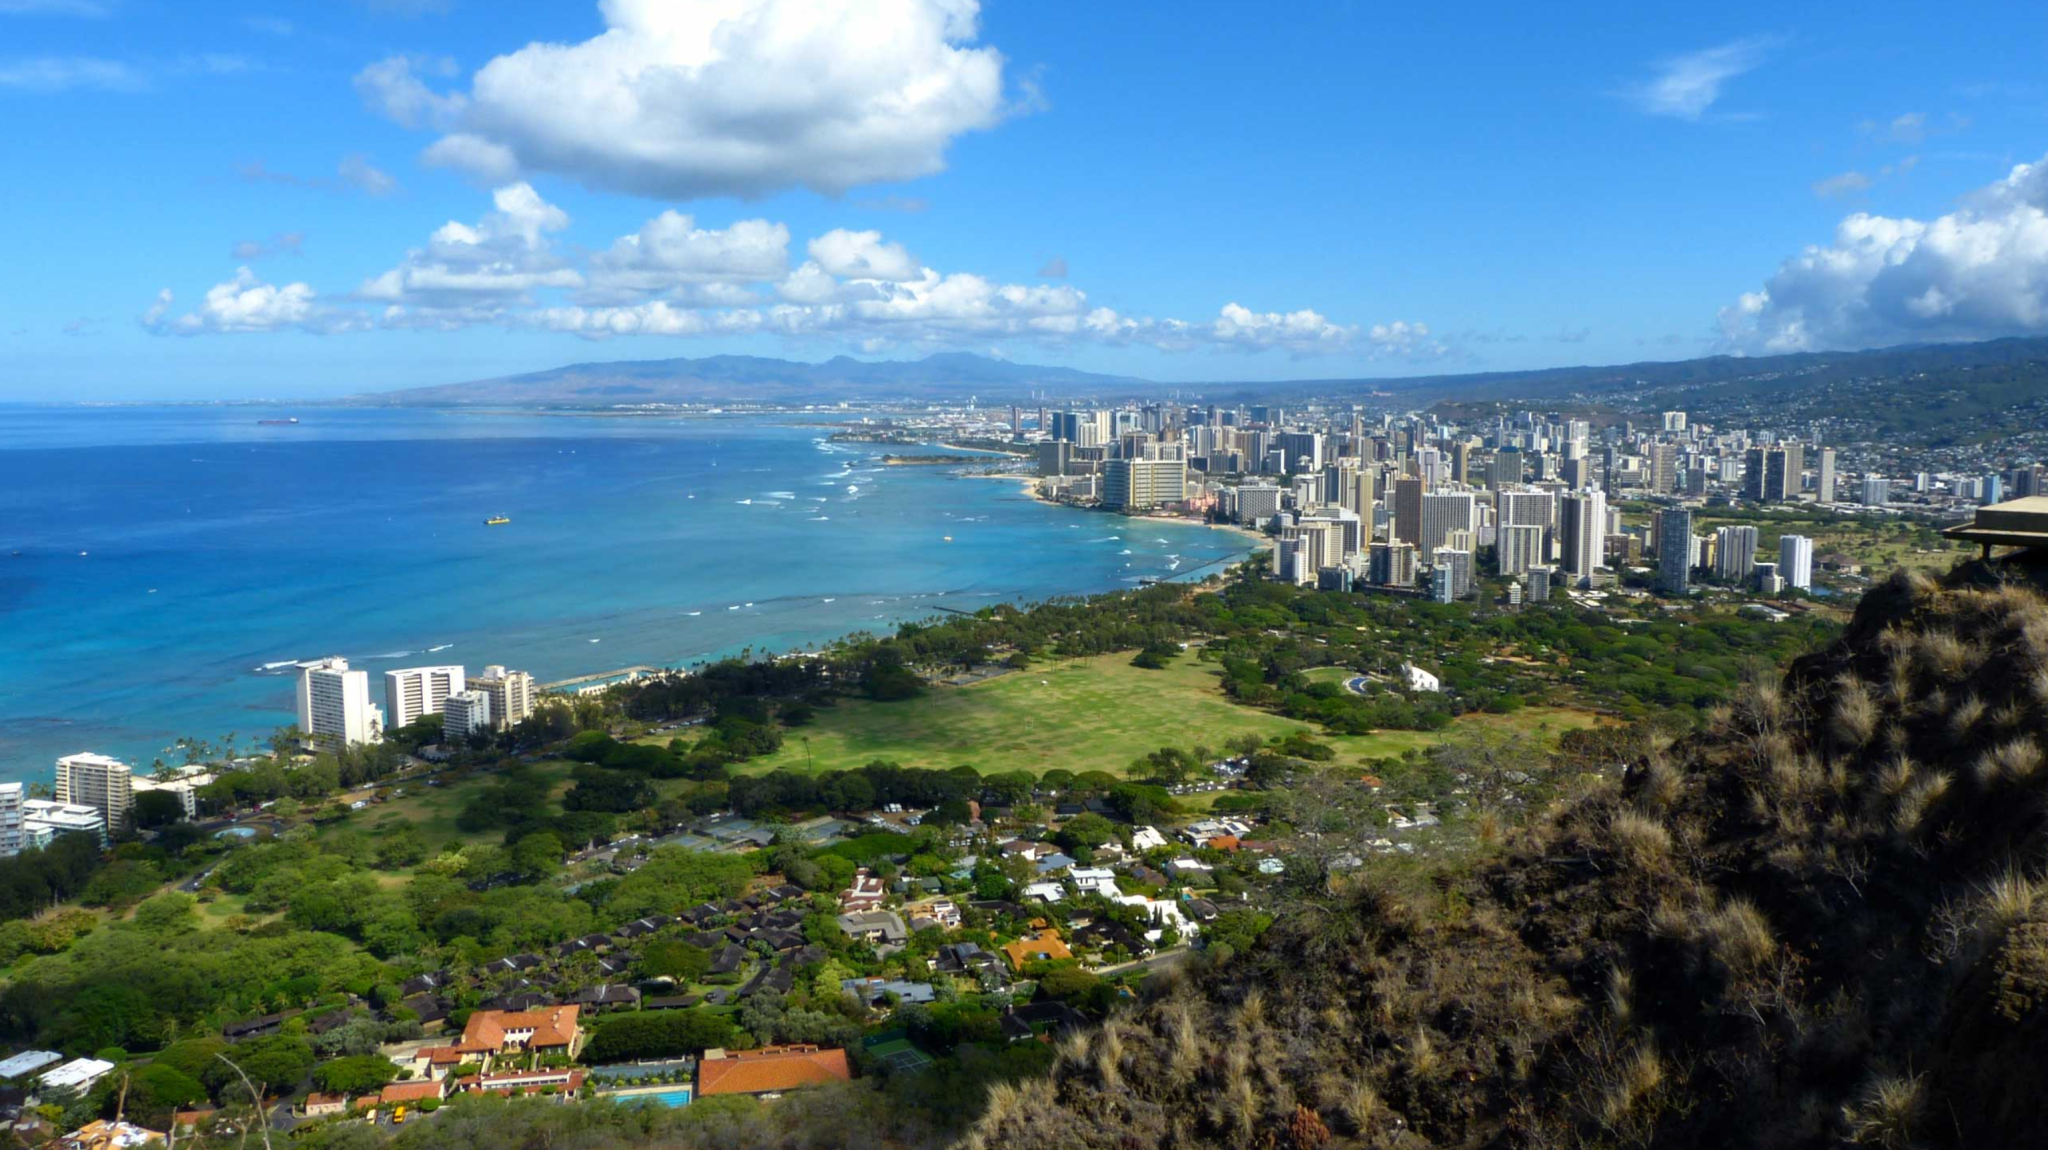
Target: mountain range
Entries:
(2012, 367)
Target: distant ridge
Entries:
(955, 375)
(729, 378)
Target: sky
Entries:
(301, 200)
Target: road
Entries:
(1160, 961)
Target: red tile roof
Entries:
(770, 1069)
(411, 1091)
(554, 1026)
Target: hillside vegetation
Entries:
(1818, 923)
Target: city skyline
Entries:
(405, 216)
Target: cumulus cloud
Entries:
(670, 251)
(1978, 272)
(744, 97)
(1685, 86)
(248, 304)
(355, 172)
(503, 257)
(677, 276)
(863, 255)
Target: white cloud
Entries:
(65, 73)
(486, 162)
(1845, 184)
(1978, 272)
(863, 255)
(675, 276)
(743, 97)
(1686, 86)
(502, 258)
(670, 251)
(393, 88)
(247, 304)
(357, 172)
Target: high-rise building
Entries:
(1083, 428)
(1784, 473)
(1674, 421)
(1734, 553)
(1519, 546)
(1877, 491)
(1408, 510)
(1304, 450)
(466, 713)
(1442, 513)
(1795, 561)
(1663, 459)
(97, 781)
(1142, 484)
(414, 691)
(1360, 494)
(2024, 481)
(1539, 584)
(1674, 551)
(1582, 534)
(334, 703)
(1392, 564)
(1458, 563)
(10, 819)
(510, 693)
(1257, 502)
(1824, 476)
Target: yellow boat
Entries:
(496, 521)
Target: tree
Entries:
(358, 1074)
(673, 958)
(167, 914)
(277, 1063)
(536, 856)
(153, 809)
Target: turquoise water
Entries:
(680, 1096)
(236, 833)
(162, 567)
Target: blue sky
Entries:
(426, 192)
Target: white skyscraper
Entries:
(1520, 547)
(466, 713)
(1442, 513)
(1582, 531)
(334, 703)
(1795, 561)
(97, 781)
(10, 819)
(415, 691)
(1735, 553)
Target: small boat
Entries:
(496, 521)
(292, 422)
(949, 538)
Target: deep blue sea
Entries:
(154, 559)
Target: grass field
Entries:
(433, 809)
(1087, 714)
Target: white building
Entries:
(28, 1062)
(1734, 553)
(410, 692)
(334, 703)
(100, 782)
(1419, 679)
(10, 836)
(1094, 880)
(464, 713)
(1582, 528)
(1795, 561)
(1519, 546)
(42, 820)
(184, 783)
(1146, 838)
(510, 693)
(78, 1074)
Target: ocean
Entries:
(161, 568)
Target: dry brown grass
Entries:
(1918, 800)
(1943, 654)
(1965, 717)
(1639, 840)
(1856, 713)
(1739, 937)
(1887, 1113)
(2016, 759)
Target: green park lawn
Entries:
(1084, 714)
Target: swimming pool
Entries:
(680, 1096)
(235, 833)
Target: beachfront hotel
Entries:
(334, 703)
(100, 782)
(510, 694)
(414, 691)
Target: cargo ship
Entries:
(496, 521)
(292, 422)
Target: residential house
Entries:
(1045, 946)
(412, 1093)
(607, 997)
(1189, 870)
(1040, 1020)
(883, 927)
(1146, 839)
(491, 1034)
(564, 1081)
(322, 1105)
(102, 1134)
(866, 893)
(1093, 880)
(770, 1070)
(877, 991)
